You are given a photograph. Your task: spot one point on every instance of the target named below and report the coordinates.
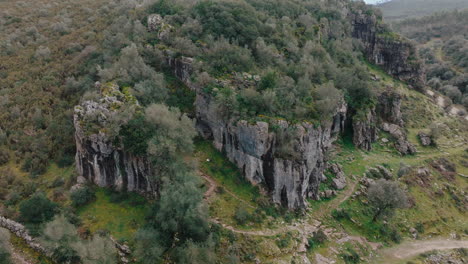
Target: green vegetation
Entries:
(82, 196)
(216, 165)
(37, 209)
(403, 9)
(121, 218)
(4, 247)
(442, 44)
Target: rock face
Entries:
(386, 116)
(365, 129)
(389, 107)
(397, 56)
(100, 160)
(288, 160)
(290, 176)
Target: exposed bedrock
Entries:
(386, 116)
(365, 129)
(395, 54)
(99, 158)
(288, 160)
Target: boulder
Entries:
(402, 144)
(425, 139)
(339, 182)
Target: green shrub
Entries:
(37, 209)
(317, 239)
(82, 196)
(350, 256)
(65, 254)
(339, 214)
(4, 157)
(242, 216)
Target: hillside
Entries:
(232, 131)
(403, 9)
(443, 43)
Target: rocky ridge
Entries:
(396, 55)
(100, 159)
(258, 148)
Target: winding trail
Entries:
(409, 249)
(305, 228)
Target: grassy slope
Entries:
(122, 219)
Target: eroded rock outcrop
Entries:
(339, 181)
(396, 55)
(287, 159)
(425, 139)
(100, 159)
(258, 149)
(365, 129)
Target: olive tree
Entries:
(386, 196)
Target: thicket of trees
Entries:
(291, 49)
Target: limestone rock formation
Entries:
(396, 55)
(258, 149)
(365, 129)
(389, 107)
(99, 158)
(425, 139)
(339, 182)
(157, 24)
(402, 144)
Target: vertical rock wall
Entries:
(100, 160)
(396, 55)
(257, 148)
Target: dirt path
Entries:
(306, 227)
(17, 258)
(212, 189)
(409, 249)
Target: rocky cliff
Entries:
(99, 158)
(288, 160)
(386, 116)
(396, 55)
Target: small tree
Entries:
(82, 196)
(37, 209)
(386, 196)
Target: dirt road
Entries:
(410, 249)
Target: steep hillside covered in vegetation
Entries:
(234, 131)
(443, 43)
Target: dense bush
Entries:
(386, 196)
(37, 209)
(82, 196)
(4, 156)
